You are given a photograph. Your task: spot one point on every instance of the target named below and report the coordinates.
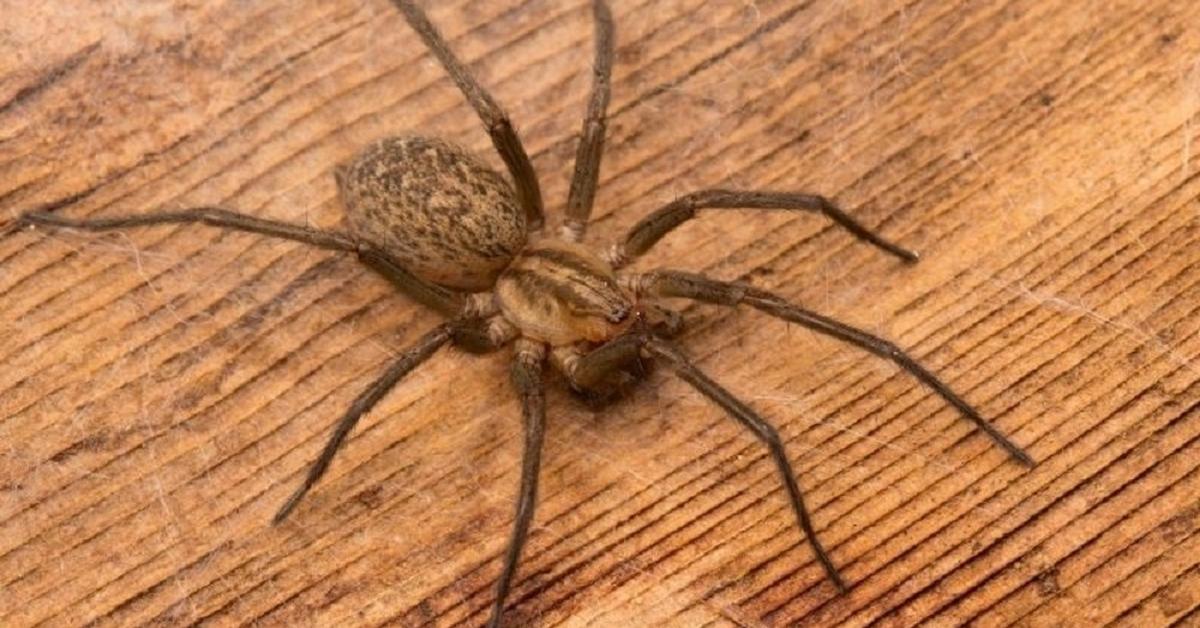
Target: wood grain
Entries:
(162, 390)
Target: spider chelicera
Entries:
(454, 235)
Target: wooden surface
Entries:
(163, 389)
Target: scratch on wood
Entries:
(53, 75)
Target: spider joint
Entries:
(479, 305)
(616, 255)
(567, 360)
(572, 231)
(637, 285)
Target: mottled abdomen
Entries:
(438, 209)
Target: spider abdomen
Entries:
(436, 208)
(562, 293)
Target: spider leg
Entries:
(688, 372)
(413, 357)
(436, 297)
(527, 379)
(586, 371)
(591, 140)
(700, 288)
(662, 221)
(498, 126)
(590, 370)
(211, 216)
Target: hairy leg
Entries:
(594, 371)
(688, 372)
(527, 379)
(700, 288)
(662, 221)
(591, 139)
(499, 127)
(588, 371)
(440, 299)
(413, 357)
(211, 216)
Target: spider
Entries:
(456, 236)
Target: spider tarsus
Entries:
(1014, 450)
(908, 255)
(287, 507)
(839, 582)
(1018, 454)
(46, 218)
(842, 586)
(497, 612)
(831, 571)
(42, 214)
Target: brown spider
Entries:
(452, 234)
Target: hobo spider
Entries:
(456, 236)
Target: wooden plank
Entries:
(163, 389)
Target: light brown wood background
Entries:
(161, 390)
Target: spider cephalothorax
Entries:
(456, 236)
(561, 294)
